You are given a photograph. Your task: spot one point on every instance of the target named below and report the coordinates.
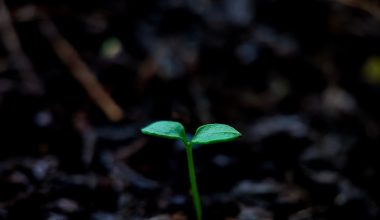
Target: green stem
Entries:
(193, 181)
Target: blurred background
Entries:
(299, 79)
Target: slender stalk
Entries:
(193, 181)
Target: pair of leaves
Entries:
(206, 134)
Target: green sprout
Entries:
(206, 134)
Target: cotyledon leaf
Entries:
(166, 129)
(215, 133)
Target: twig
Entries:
(372, 7)
(21, 62)
(126, 152)
(80, 71)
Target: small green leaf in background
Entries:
(371, 70)
(215, 133)
(166, 129)
(111, 48)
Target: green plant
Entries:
(206, 134)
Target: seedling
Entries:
(205, 134)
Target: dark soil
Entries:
(299, 79)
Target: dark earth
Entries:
(299, 79)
